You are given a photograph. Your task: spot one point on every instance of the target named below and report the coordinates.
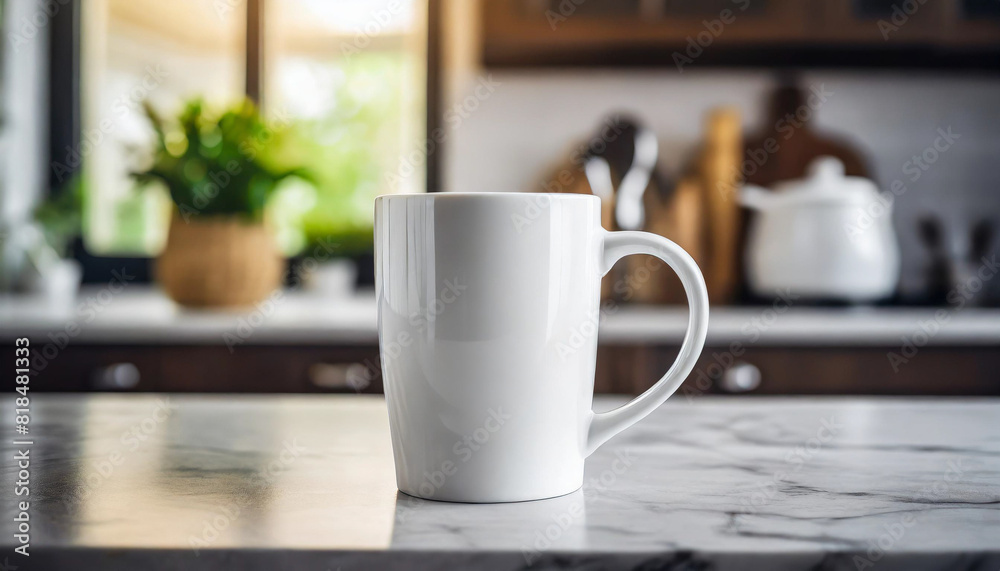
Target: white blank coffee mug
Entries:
(488, 309)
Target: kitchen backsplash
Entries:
(531, 120)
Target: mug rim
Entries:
(511, 194)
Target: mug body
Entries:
(488, 311)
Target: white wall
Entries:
(24, 120)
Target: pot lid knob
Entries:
(827, 168)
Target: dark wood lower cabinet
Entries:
(951, 371)
(212, 368)
(624, 369)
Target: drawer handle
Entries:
(116, 377)
(340, 376)
(742, 377)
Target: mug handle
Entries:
(617, 245)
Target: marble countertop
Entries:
(306, 482)
(141, 315)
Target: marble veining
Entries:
(255, 482)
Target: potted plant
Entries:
(220, 171)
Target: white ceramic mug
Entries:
(488, 309)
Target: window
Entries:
(348, 76)
(351, 75)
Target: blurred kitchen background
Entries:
(186, 187)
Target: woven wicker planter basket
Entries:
(219, 262)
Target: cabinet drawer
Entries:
(813, 371)
(212, 369)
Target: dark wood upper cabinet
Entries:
(771, 33)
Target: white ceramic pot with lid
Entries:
(827, 236)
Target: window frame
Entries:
(64, 84)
